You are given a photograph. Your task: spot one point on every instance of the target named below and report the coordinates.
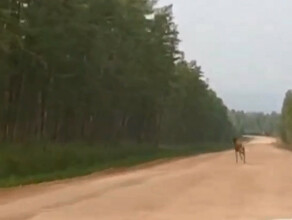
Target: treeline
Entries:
(255, 123)
(100, 71)
(286, 125)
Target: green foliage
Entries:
(97, 71)
(42, 162)
(106, 70)
(255, 123)
(193, 112)
(286, 125)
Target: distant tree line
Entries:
(101, 70)
(286, 125)
(255, 122)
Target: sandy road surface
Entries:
(205, 187)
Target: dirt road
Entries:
(208, 187)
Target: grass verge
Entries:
(22, 165)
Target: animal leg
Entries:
(240, 154)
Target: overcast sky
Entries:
(243, 46)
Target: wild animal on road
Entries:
(239, 149)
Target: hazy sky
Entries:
(243, 46)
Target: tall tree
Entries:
(100, 71)
(286, 125)
(255, 122)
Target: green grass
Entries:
(27, 164)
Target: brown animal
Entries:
(239, 149)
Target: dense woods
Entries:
(286, 125)
(255, 122)
(101, 70)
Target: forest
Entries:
(98, 71)
(87, 85)
(255, 123)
